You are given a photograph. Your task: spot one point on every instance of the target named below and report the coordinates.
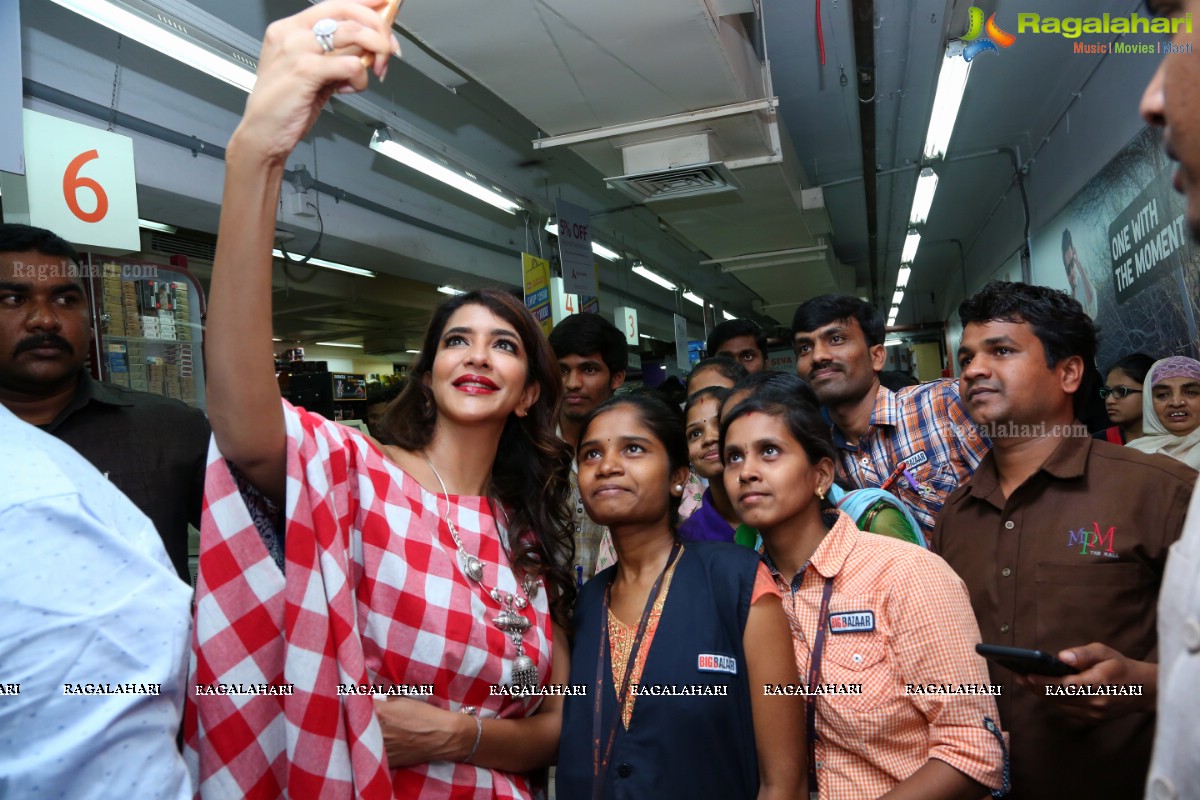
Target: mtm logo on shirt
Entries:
(852, 622)
(711, 662)
(1093, 542)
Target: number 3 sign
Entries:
(80, 182)
(626, 319)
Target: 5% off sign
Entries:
(80, 182)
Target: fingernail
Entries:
(383, 75)
(395, 46)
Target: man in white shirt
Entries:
(1172, 102)
(95, 627)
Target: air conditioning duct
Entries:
(667, 169)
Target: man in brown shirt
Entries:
(1061, 541)
(152, 448)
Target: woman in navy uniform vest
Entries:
(676, 642)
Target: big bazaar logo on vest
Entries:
(1092, 542)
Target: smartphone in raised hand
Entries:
(388, 13)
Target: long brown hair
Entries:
(531, 467)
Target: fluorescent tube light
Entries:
(338, 344)
(450, 290)
(952, 83)
(141, 28)
(414, 352)
(597, 248)
(383, 142)
(274, 339)
(694, 298)
(728, 316)
(604, 252)
(892, 342)
(329, 265)
(923, 197)
(653, 277)
(911, 243)
(898, 297)
(903, 275)
(151, 225)
(891, 320)
(320, 262)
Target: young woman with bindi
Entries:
(714, 520)
(438, 561)
(866, 612)
(696, 626)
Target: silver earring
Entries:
(679, 488)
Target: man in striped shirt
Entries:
(917, 443)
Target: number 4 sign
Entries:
(80, 182)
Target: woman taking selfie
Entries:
(698, 617)
(438, 561)
(864, 610)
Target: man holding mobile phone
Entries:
(1061, 540)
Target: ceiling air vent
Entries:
(200, 246)
(680, 166)
(676, 182)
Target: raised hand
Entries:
(297, 75)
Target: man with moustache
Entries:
(1061, 541)
(592, 358)
(917, 443)
(151, 448)
(1172, 102)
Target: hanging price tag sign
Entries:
(80, 182)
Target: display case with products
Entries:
(334, 395)
(147, 323)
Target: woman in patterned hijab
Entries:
(1171, 410)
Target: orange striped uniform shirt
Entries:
(901, 628)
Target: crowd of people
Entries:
(776, 587)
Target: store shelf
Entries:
(144, 340)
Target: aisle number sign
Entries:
(575, 249)
(537, 290)
(80, 182)
(563, 303)
(682, 358)
(625, 318)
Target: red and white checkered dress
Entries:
(373, 594)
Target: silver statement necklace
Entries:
(510, 621)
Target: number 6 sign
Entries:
(80, 182)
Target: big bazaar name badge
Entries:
(80, 182)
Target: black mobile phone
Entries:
(1025, 662)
